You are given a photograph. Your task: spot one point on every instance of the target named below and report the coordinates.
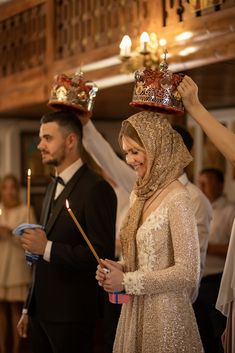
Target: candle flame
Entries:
(67, 203)
(29, 172)
(0, 211)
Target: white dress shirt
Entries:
(203, 214)
(221, 226)
(66, 175)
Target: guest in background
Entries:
(210, 321)
(15, 275)
(224, 140)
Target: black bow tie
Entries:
(58, 179)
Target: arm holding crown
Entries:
(100, 149)
(223, 138)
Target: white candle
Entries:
(83, 234)
(28, 193)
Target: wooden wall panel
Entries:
(23, 41)
(39, 38)
(82, 26)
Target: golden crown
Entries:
(73, 92)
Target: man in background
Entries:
(210, 321)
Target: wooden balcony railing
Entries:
(39, 38)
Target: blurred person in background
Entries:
(224, 140)
(210, 321)
(15, 275)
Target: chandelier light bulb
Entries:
(147, 54)
(144, 41)
(162, 42)
(125, 46)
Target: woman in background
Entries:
(15, 274)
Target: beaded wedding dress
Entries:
(159, 317)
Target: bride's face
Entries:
(135, 156)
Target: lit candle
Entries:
(125, 46)
(83, 234)
(28, 193)
(144, 41)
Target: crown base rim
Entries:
(158, 107)
(58, 105)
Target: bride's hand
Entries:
(101, 274)
(115, 264)
(113, 280)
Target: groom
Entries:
(62, 304)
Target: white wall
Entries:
(110, 130)
(10, 130)
(226, 116)
(10, 154)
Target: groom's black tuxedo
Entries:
(65, 289)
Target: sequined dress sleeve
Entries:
(167, 248)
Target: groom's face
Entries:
(52, 145)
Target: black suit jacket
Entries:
(65, 289)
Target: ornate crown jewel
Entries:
(73, 92)
(157, 90)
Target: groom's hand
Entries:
(34, 240)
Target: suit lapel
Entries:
(47, 203)
(60, 203)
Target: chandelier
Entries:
(148, 54)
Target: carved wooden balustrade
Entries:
(39, 38)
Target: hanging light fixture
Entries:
(147, 54)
